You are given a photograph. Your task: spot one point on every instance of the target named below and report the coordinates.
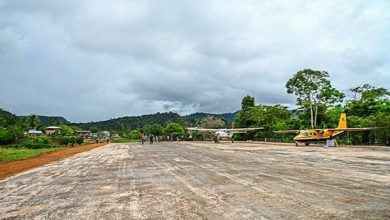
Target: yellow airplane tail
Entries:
(342, 121)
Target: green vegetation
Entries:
(320, 106)
(33, 121)
(212, 122)
(313, 90)
(247, 102)
(174, 130)
(7, 118)
(36, 143)
(11, 154)
(154, 129)
(133, 122)
(134, 135)
(16, 145)
(68, 140)
(194, 118)
(48, 120)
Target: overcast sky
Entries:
(94, 60)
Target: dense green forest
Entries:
(133, 122)
(49, 120)
(229, 117)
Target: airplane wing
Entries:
(224, 129)
(287, 132)
(243, 129)
(354, 129)
(203, 129)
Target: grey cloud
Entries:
(92, 60)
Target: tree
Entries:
(174, 129)
(33, 121)
(7, 118)
(154, 129)
(212, 122)
(67, 130)
(369, 107)
(18, 132)
(247, 102)
(6, 136)
(51, 121)
(12, 134)
(313, 88)
(368, 100)
(263, 116)
(134, 135)
(368, 92)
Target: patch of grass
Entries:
(11, 154)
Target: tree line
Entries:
(319, 105)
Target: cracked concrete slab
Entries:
(204, 181)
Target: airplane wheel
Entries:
(307, 144)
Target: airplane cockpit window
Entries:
(303, 133)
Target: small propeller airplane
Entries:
(325, 134)
(222, 133)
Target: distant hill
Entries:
(7, 118)
(137, 122)
(49, 120)
(228, 116)
(133, 122)
(123, 123)
(45, 119)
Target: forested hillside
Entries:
(228, 116)
(133, 122)
(50, 120)
(7, 118)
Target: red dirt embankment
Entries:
(14, 167)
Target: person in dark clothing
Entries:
(151, 138)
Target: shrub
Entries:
(6, 137)
(134, 135)
(36, 143)
(65, 140)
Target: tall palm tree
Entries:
(33, 121)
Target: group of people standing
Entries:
(151, 138)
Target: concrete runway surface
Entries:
(205, 181)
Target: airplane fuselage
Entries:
(314, 135)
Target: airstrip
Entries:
(195, 180)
